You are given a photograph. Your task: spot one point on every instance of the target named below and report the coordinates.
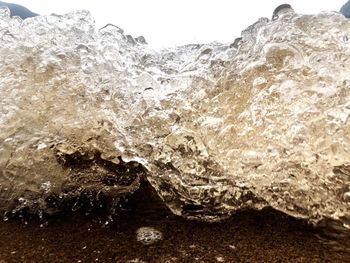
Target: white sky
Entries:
(176, 22)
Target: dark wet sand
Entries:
(266, 236)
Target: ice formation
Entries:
(215, 128)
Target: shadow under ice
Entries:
(248, 236)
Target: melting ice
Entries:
(215, 128)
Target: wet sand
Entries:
(266, 236)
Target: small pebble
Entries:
(232, 246)
(148, 235)
(220, 259)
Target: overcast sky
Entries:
(175, 22)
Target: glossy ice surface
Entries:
(215, 128)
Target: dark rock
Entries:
(280, 9)
(345, 10)
(18, 10)
(141, 40)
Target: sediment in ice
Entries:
(215, 128)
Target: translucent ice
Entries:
(215, 128)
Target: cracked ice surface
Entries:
(215, 128)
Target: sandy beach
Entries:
(265, 236)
